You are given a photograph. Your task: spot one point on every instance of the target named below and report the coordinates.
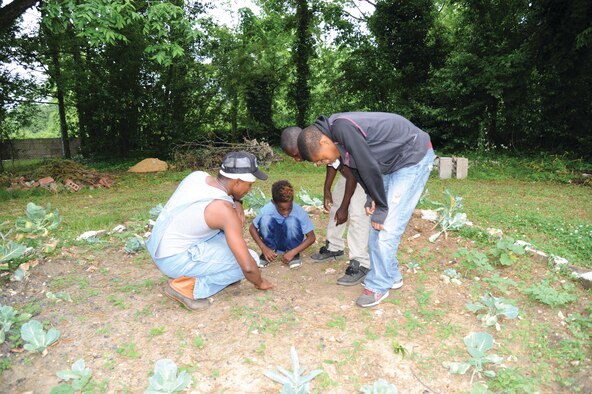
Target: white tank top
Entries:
(189, 225)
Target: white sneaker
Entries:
(395, 286)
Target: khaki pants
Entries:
(358, 224)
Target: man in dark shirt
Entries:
(391, 158)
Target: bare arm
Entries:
(350, 188)
(309, 240)
(220, 215)
(269, 254)
(329, 178)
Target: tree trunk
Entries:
(61, 105)
(10, 12)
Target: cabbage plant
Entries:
(293, 381)
(166, 380)
(78, 377)
(39, 220)
(37, 340)
(478, 344)
(380, 386)
(450, 215)
(494, 309)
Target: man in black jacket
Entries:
(391, 158)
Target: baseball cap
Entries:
(241, 165)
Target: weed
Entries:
(548, 295)
(116, 301)
(506, 252)
(392, 329)
(446, 330)
(128, 350)
(500, 284)
(472, 260)
(324, 382)
(198, 342)
(412, 323)
(398, 348)
(154, 332)
(337, 322)
(371, 335)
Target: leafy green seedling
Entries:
(59, 296)
(39, 220)
(134, 244)
(477, 343)
(255, 200)
(293, 382)
(166, 380)
(78, 376)
(453, 275)
(8, 317)
(155, 211)
(37, 340)
(450, 215)
(506, 252)
(306, 199)
(9, 250)
(494, 308)
(380, 386)
(412, 267)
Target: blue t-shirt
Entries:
(297, 212)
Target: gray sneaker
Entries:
(262, 263)
(325, 254)
(369, 298)
(295, 262)
(354, 274)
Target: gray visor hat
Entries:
(237, 164)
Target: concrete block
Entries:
(445, 167)
(462, 167)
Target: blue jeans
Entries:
(281, 237)
(211, 262)
(403, 189)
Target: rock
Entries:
(149, 165)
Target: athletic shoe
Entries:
(370, 298)
(395, 286)
(295, 262)
(354, 274)
(325, 254)
(262, 263)
(189, 303)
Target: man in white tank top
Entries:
(197, 239)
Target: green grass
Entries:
(528, 198)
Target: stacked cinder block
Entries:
(447, 166)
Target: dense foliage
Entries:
(141, 76)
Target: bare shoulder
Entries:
(219, 214)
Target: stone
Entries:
(462, 167)
(149, 165)
(445, 167)
(45, 182)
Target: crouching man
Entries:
(197, 239)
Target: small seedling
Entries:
(293, 382)
(39, 220)
(37, 340)
(450, 215)
(495, 308)
(506, 252)
(166, 380)
(78, 376)
(8, 317)
(453, 275)
(59, 296)
(134, 244)
(380, 386)
(477, 343)
(412, 267)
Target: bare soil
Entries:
(121, 324)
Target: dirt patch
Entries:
(121, 324)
